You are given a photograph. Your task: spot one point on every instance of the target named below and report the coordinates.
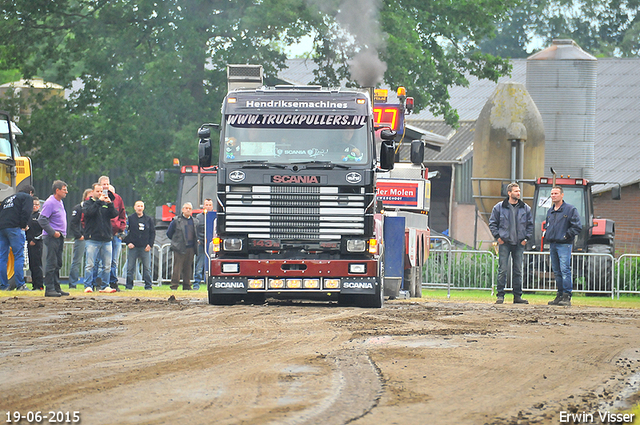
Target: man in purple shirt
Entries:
(53, 219)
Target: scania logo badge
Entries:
(354, 177)
(236, 176)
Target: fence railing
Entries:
(161, 264)
(592, 273)
(628, 274)
(451, 268)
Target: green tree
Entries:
(602, 27)
(427, 47)
(148, 73)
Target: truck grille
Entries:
(295, 212)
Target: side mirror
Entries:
(204, 153)
(159, 177)
(204, 133)
(417, 152)
(616, 192)
(387, 156)
(387, 134)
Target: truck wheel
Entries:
(597, 270)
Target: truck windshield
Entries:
(289, 144)
(189, 189)
(5, 146)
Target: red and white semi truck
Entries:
(299, 213)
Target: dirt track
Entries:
(123, 360)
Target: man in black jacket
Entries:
(561, 227)
(34, 247)
(76, 229)
(15, 212)
(98, 212)
(511, 224)
(141, 234)
(182, 232)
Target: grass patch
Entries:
(457, 295)
(539, 298)
(162, 291)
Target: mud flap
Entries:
(226, 290)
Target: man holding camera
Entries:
(118, 225)
(98, 211)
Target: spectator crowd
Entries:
(98, 226)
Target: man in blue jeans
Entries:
(98, 211)
(15, 212)
(561, 227)
(511, 224)
(76, 229)
(118, 226)
(207, 216)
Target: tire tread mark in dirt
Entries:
(357, 389)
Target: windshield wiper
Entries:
(259, 163)
(321, 164)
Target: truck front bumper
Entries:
(295, 276)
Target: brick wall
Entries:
(626, 214)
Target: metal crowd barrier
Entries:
(595, 273)
(592, 273)
(161, 264)
(628, 274)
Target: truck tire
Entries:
(597, 270)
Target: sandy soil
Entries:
(118, 360)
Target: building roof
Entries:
(35, 83)
(617, 138)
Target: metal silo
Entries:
(561, 79)
(509, 145)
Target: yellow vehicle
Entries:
(15, 170)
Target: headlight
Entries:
(230, 267)
(232, 244)
(256, 283)
(356, 245)
(294, 283)
(331, 283)
(312, 283)
(357, 268)
(276, 283)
